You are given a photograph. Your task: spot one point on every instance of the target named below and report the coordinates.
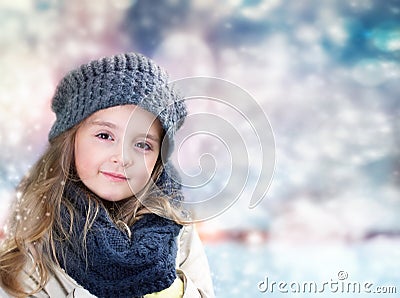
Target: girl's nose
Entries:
(121, 159)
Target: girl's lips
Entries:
(115, 177)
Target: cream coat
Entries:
(191, 263)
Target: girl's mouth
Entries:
(115, 177)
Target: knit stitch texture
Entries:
(129, 78)
(112, 264)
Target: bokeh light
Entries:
(325, 72)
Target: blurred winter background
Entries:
(326, 73)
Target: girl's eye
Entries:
(104, 136)
(143, 145)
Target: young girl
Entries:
(98, 215)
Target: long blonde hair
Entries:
(29, 245)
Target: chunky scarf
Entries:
(112, 264)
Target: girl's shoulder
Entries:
(3, 294)
(188, 237)
(60, 285)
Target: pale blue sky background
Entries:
(326, 73)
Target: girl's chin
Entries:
(114, 197)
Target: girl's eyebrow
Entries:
(149, 136)
(103, 123)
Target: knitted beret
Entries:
(129, 78)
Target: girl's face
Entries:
(116, 150)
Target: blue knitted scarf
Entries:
(114, 265)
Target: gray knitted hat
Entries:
(129, 78)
